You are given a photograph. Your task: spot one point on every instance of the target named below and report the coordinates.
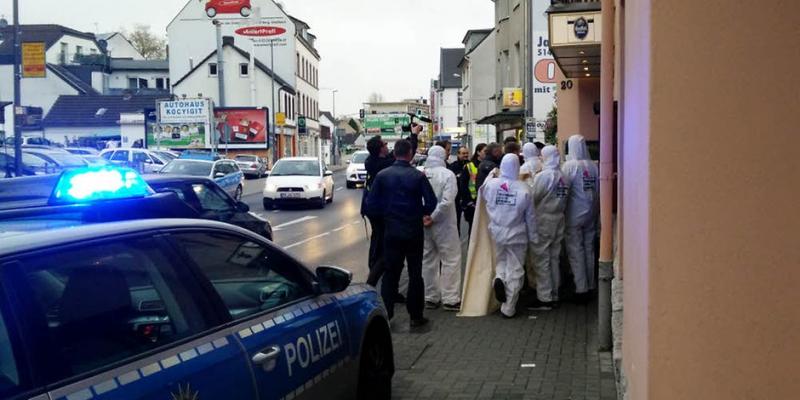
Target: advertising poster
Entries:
(242, 127)
(33, 60)
(386, 125)
(544, 69)
(181, 124)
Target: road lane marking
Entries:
(338, 229)
(339, 188)
(296, 221)
(306, 241)
(356, 223)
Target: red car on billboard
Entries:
(241, 7)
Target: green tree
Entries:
(551, 127)
(150, 46)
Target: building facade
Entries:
(307, 86)
(478, 85)
(118, 46)
(449, 107)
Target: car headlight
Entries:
(272, 187)
(315, 186)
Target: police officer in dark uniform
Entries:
(378, 160)
(404, 198)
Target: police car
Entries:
(94, 307)
(209, 165)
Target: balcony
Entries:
(574, 27)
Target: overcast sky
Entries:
(386, 46)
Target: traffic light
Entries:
(361, 113)
(301, 124)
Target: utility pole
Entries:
(220, 64)
(275, 150)
(17, 96)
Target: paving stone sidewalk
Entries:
(538, 355)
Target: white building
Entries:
(449, 110)
(478, 84)
(138, 74)
(327, 125)
(118, 46)
(264, 48)
(307, 86)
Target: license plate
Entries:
(290, 195)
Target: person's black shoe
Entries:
(429, 305)
(499, 290)
(506, 316)
(399, 298)
(418, 323)
(537, 305)
(452, 307)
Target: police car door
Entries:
(114, 319)
(296, 341)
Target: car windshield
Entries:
(165, 156)
(27, 159)
(188, 167)
(360, 158)
(246, 158)
(296, 168)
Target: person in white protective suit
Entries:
(550, 193)
(441, 259)
(533, 165)
(512, 225)
(583, 206)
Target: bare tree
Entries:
(151, 47)
(375, 97)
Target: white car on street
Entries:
(298, 180)
(356, 171)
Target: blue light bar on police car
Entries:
(90, 184)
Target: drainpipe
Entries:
(606, 272)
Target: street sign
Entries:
(280, 119)
(301, 124)
(33, 60)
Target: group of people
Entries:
(532, 202)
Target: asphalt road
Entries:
(334, 235)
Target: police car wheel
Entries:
(330, 201)
(268, 205)
(376, 368)
(322, 200)
(350, 185)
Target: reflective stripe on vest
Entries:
(473, 179)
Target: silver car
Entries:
(252, 165)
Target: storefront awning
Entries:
(505, 117)
(575, 38)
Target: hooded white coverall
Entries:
(442, 244)
(550, 193)
(583, 207)
(533, 165)
(512, 225)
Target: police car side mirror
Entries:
(242, 207)
(219, 175)
(332, 279)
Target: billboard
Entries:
(181, 124)
(544, 66)
(512, 98)
(386, 125)
(244, 127)
(33, 60)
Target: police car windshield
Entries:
(188, 167)
(296, 168)
(360, 158)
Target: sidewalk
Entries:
(482, 358)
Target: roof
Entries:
(82, 111)
(47, 33)
(475, 32)
(286, 85)
(127, 64)
(301, 26)
(19, 242)
(73, 80)
(327, 114)
(448, 67)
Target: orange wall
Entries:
(576, 109)
(711, 224)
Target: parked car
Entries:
(251, 165)
(356, 171)
(143, 160)
(224, 172)
(82, 151)
(211, 201)
(299, 180)
(31, 165)
(57, 161)
(167, 155)
(94, 159)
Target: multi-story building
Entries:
(307, 85)
(449, 106)
(478, 85)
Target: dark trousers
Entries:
(469, 215)
(398, 252)
(376, 263)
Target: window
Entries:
(211, 199)
(143, 83)
(244, 69)
(10, 382)
(107, 155)
(460, 98)
(92, 51)
(140, 158)
(212, 69)
(120, 155)
(103, 303)
(160, 83)
(79, 50)
(133, 83)
(298, 63)
(249, 277)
